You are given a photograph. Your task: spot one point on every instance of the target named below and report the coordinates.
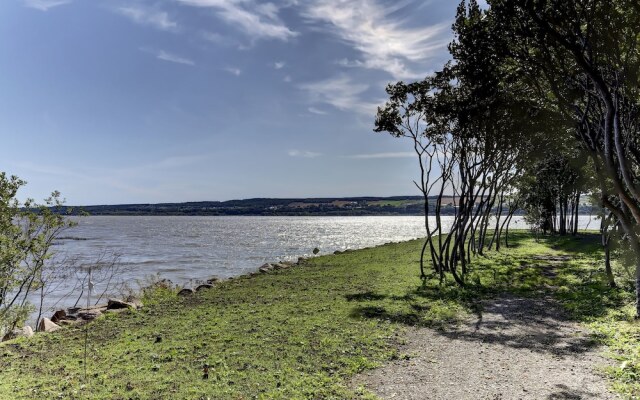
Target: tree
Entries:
(581, 59)
(27, 234)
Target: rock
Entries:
(58, 316)
(89, 314)
(115, 304)
(46, 325)
(316, 250)
(204, 286)
(266, 268)
(337, 252)
(100, 308)
(135, 301)
(301, 260)
(163, 284)
(280, 266)
(186, 292)
(212, 280)
(18, 332)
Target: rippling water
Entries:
(190, 248)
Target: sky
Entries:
(148, 101)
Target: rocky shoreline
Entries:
(73, 316)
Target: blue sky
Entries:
(127, 101)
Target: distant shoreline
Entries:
(298, 207)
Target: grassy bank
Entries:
(303, 332)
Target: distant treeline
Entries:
(343, 206)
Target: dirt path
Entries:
(520, 348)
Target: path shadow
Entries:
(537, 325)
(566, 393)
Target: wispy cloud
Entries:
(257, 20)
(233, 71)
(385, 43)
(287, 79)
(303, 154)
(342, 93)
(316, 111)
(279, 64)
(144, 16)
(45, 5)
(407, 154)
(217, 38)
(165, 56)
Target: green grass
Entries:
(303, 332)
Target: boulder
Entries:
(213, 280)
(135, 301)
(266, 268)
(89, 314)
(46, 325)
(186, 292)
(280, 266)
(204, 286)
(301, 260)
(316, 250)
(163, 284)
(58, 316)
(115, 304)
(18, 332)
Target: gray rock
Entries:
(213, 280)
(90, 314)
(58, 316)
(280, 266)
(18, 332)
(204, 286)
(186, 292)
(46, 325)
(135, 301)
(266, 268)
(115, 304)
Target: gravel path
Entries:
(520, 348)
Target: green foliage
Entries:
(27, 232)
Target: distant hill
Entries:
(397, 205)
(327, 206)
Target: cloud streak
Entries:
(157, 19)
(303, 154)
(384, 42)
(164, 56)
(314, 110)
(257, 20)
(45, 5)
(342, 93)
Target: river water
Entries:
(185, 249)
